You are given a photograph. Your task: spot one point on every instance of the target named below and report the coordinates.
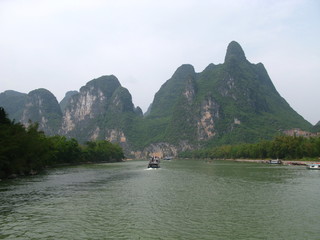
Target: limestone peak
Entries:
(234, 51)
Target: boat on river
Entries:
(314, 166)
(274, 161)
(154, 162)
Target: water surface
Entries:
(184, 199)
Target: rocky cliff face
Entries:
(209, 114)
(66, 99)
(93, 113)
(161, 150)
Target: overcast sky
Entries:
(60, 45)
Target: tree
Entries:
(103, 151)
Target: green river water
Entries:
(184, 199)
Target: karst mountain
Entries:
(227, 103)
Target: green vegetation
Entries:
(102, 151)
(26, 150)
(146, 131)
(170, 92)
(282, 147)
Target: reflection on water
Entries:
(184, 199)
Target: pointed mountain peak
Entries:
(234, 51)
(184, 70)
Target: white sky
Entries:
(60, 45)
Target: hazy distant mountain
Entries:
(13, 102)
(42, 106)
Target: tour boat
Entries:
(315, 166)
(154, 162)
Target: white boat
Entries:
(275, 161)
(314, 166)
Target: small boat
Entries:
(154, 162)
(314, 166)
(167, 158)
(275, 161)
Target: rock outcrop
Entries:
(99, 111)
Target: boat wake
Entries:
(151, 169)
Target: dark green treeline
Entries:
(26, 151)
(282, 147)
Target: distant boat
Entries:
(167, 158)
(154, 162)
(314, 166)
(274, 161)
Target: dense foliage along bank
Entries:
(282, 147)
(27, 150)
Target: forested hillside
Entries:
(227, 103)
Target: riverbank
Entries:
(282, 162)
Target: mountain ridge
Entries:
(227, 103)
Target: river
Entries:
(184, 199)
